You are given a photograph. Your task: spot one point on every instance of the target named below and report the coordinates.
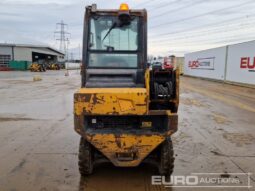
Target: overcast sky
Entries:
(175, 26)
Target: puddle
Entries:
(220, 118)
(239, 139)
(188, 101)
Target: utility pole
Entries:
(67, 49)
(62, 36)
(80, 52)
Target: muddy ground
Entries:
(38, 146)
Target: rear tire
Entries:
(166, 158)
(85, 157)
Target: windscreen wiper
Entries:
(112, 27)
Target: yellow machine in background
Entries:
(36, 67)
(124, 112)
(53, 66)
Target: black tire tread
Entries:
(166, 162)
(85, 158)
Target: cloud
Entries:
(29, 21)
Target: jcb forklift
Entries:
(124, 112)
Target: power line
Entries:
(220, 40)
(231, 40)
(178, 9)
(193, 46)
(62, 36)
(146, 2)
(163, 5)
(197, 27)
(202, 41)
(206, 42)
(214, 31)
(168, 4)
(203, 14)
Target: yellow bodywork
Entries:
(108, 101)
(138, 145)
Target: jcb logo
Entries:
(247, 63)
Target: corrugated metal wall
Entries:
(25, 53)
(5, 56)
(22, 53)
(10, 52)
(6, 50)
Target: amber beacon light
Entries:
(124, 7)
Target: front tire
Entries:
(166, 158)
(85, 157)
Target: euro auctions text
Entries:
(230, 180)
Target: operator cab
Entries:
(115, 47)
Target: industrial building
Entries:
(29, 53)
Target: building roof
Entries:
(31, 46)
